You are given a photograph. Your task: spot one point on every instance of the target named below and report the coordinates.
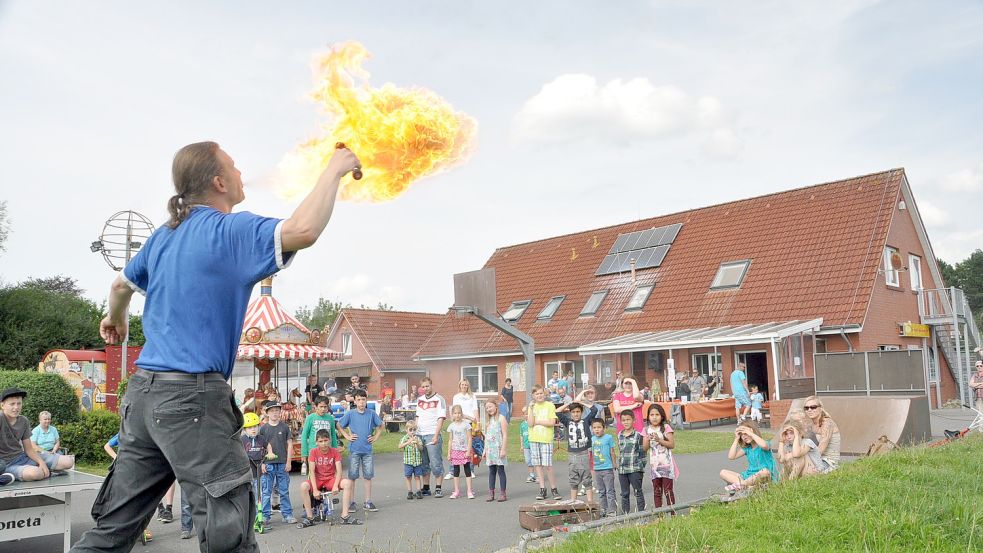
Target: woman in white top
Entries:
(468, 402)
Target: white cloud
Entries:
(967, 180)
(360, 289)
(932, 215)
(576, 106)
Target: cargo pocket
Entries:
(228, 518)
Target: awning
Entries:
(700, 337)
(284, 351)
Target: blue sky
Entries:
(589, 114)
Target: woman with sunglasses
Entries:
(825, 428)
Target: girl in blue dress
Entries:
(761, 465)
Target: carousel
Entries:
(283, 353)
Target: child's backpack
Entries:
(478, 445)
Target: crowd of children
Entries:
(641, 448)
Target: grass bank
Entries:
(917, 499)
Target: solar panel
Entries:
(605, 267)
(671, 232)
(655, 239)
(643, 258)
(648, 247)
(618, 243)
(629, 244)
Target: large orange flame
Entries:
(399, 134)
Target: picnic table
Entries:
(32, 509)
(702, 411)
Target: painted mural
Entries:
(88, 377)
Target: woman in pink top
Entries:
(629, 398)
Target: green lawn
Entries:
(916, 499)
(98, 470)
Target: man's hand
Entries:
(316, 494)
(433, 441)
(342, 162)
(371, 438)
(44, 470)
(111, 331)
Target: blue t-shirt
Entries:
(601, 448)
(362, 424)
(114, 441)
(197, 279)
(737, 379)
(757, 400)
(45, 440)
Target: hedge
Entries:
(85, 438)
(45, 392)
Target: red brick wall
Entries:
(891, 305)
(359, 355)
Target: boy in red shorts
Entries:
(324, 464)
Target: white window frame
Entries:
(933, 366)
(346, 344)
(560, 367)
(892, 277)
(888, 347)
(481, 370)
(518, 308)
(915, 271)
(711, 366)
(543, 315)
(640, 296)
(600, 293)
(725, 266)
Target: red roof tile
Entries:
(814, 252)
(391, 337)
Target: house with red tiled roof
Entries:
(378, 346)
(774, 282)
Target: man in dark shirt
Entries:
(312, 392)
(350, 390)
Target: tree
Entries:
(59, 284)
(948, 273)
(969, 275)
(34, 320)
(136, 331)
(4, 226)
(321, 316)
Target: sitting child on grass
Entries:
(761, 465)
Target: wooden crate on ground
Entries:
(547, 514)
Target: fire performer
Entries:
(179, 418)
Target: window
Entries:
(516, 310)
(888, 347)
(891, 260)
(594, 303)
(639, 298)
(915, 271)
(346, 344)
(820, 345)
(933, 368)
(483, 379)
(550, 309)
(704, 363)
(730, 275)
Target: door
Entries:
(756, 363)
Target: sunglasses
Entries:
(810, 407)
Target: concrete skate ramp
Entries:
(903, 419)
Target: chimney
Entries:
(632, 261)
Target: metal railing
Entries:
(956, 331)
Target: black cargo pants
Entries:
(176, 425)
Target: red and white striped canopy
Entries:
(265, 313)
(284, 351)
